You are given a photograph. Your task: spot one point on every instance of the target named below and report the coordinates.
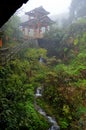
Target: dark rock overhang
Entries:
(8, 8)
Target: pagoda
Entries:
(38, 23)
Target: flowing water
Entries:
(54, 126)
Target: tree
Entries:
(77, 9)
(11, 28)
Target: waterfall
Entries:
(41, 59)
(38, 92)
(54, 126)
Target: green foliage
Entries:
(34, 54)
(81, 110)
(55, 33)
(81, 20)
(64, 123)
(76, 41)
(17, 95)
(63, 77)
(36, 120)
(11, 29)
(65, 86)
(12, 99)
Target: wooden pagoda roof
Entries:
(39, 11)
(34, 22)
(30, 23)
(46, 20)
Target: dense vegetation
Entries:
(64, 81)
(11, 32)
(17, 86)
(62, 73)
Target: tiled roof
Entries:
(40, 10)
(34, 22)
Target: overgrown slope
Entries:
(65, 83)
(17, 86)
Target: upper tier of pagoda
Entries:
(37, 12)
(37, 16)
(42, 21)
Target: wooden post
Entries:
(46, 27)
(39, 29)
(0, 42)
(35, 32)
(28, 17)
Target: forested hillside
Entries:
(17, 86)
(65, 82)
(64, 87)
(59, 68)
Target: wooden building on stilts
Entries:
(38, 23)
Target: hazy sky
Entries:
(53, 6)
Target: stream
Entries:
(54, 126)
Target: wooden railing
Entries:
(8, 54)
